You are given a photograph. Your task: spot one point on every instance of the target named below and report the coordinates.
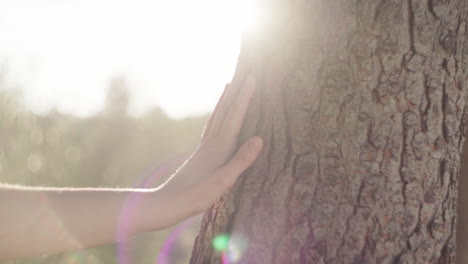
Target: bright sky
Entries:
(177, 54)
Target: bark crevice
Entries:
(362, 108)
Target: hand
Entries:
(203, 178)
(214, 167)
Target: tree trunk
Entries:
(362, 108)
(462, 212)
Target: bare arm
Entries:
(37, 221)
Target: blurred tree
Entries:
(112, 133)
(362, 105)
(118, 97)
(110, 148)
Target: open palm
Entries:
(214, 166)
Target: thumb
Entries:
(243, 159)
(224, 177)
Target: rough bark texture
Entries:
(362, 107)
(462, 212)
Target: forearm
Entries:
(38, 221)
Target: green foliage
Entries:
(109, 149)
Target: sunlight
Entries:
(176, 54)
(249, 15)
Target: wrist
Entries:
(160, 209)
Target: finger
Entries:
(224, 106)
(226, 176)
(207, 130)
(235, 118)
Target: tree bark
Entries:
(362, 106)
(462, 212)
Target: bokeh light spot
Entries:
(221, 242)
(236, 248)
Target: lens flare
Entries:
(134, 200)
(236, 248)
(224, 258)
(220, 242)
(232, 248)
(170, 242)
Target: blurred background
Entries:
(101, 93)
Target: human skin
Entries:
(41, 220)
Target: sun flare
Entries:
(176, 54)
